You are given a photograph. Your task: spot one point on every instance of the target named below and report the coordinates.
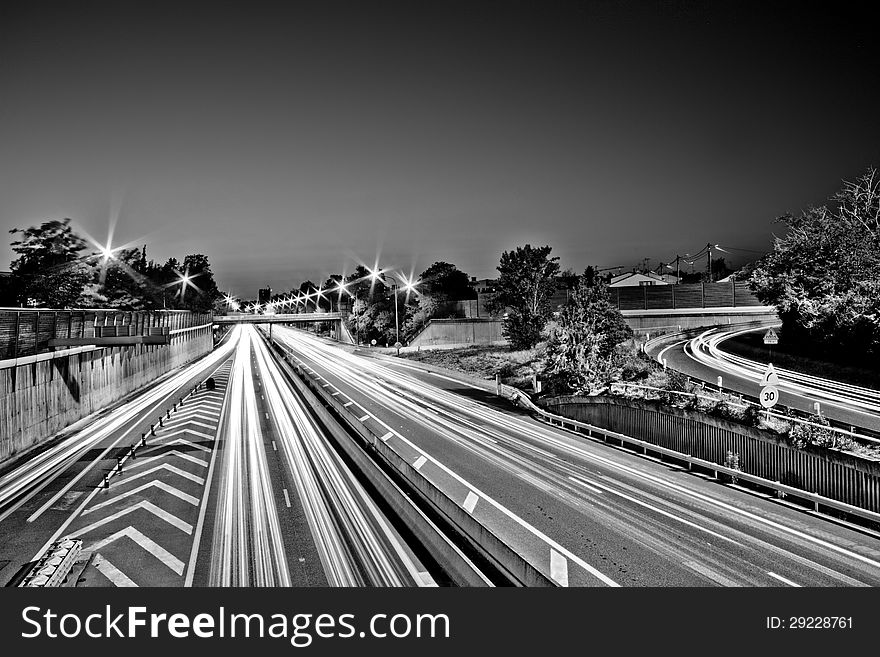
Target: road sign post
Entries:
(771, 338)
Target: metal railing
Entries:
(26, 332)
(744, 402)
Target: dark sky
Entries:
(292, 140)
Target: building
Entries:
(636, 279)
(264, 294)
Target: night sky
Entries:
(293, 140)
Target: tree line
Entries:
(56, 268)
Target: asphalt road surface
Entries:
(586, 513)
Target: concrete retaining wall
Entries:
(665, 321)
(464, 332)
(42, 396)
(459, 332)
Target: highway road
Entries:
(703, 357)
(237, 486)
(582, 512)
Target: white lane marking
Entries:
(169, 468)
(184, 441)
(558, 568)
(333, 394)
(286, 498)
(783, 579)
(171, 519)
(449, 378)
(199, 409)
(656, 510)
(665, 349)
(267, 416)
(586, 485)
(347, 404)
(197, 539)
(420, 462)
(111, 572)
(510, 514)
(470, 501)
(715, 502)
(131, 464)
(153, 484)
(365, 417)
(718, 578)
(325, 385)
(274, 446)
(424, 579)
(149, 545)
(180, 432)
(174, 423)
(386, 436)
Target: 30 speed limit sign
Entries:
(769, 396)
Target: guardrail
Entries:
(744, 402)
(454, 562)
(27, 332)
(646, 446)
(521, 399)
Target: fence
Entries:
(826, 472)
(25, 332)
(698, 295)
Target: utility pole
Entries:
(709, 262)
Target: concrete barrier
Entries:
(480, 537)
(42, 396)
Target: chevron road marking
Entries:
(149, 545)
(173, 423)
(184, 441)
(171, 519)
(178, 432)
(111, 572)
(169, 468)
(137, 463)
(153, 484)
(197, 413)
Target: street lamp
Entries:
(409, 286)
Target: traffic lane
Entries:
(678, 358)
(794, 519)
(303, 560)
(558, 508)
(139, 531)
(358, 543)
(798, 560)
(54, 495)
(248, 548)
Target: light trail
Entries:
(512, 445)
(356, 544)
(22, 483)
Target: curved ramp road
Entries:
(583, 513)
(703, 357)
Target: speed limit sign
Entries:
(769, 396)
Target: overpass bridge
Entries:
(287, 318)
(338, 328)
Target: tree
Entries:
(823, 276)
(581, 352)
(49, 270)
(526, 283)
